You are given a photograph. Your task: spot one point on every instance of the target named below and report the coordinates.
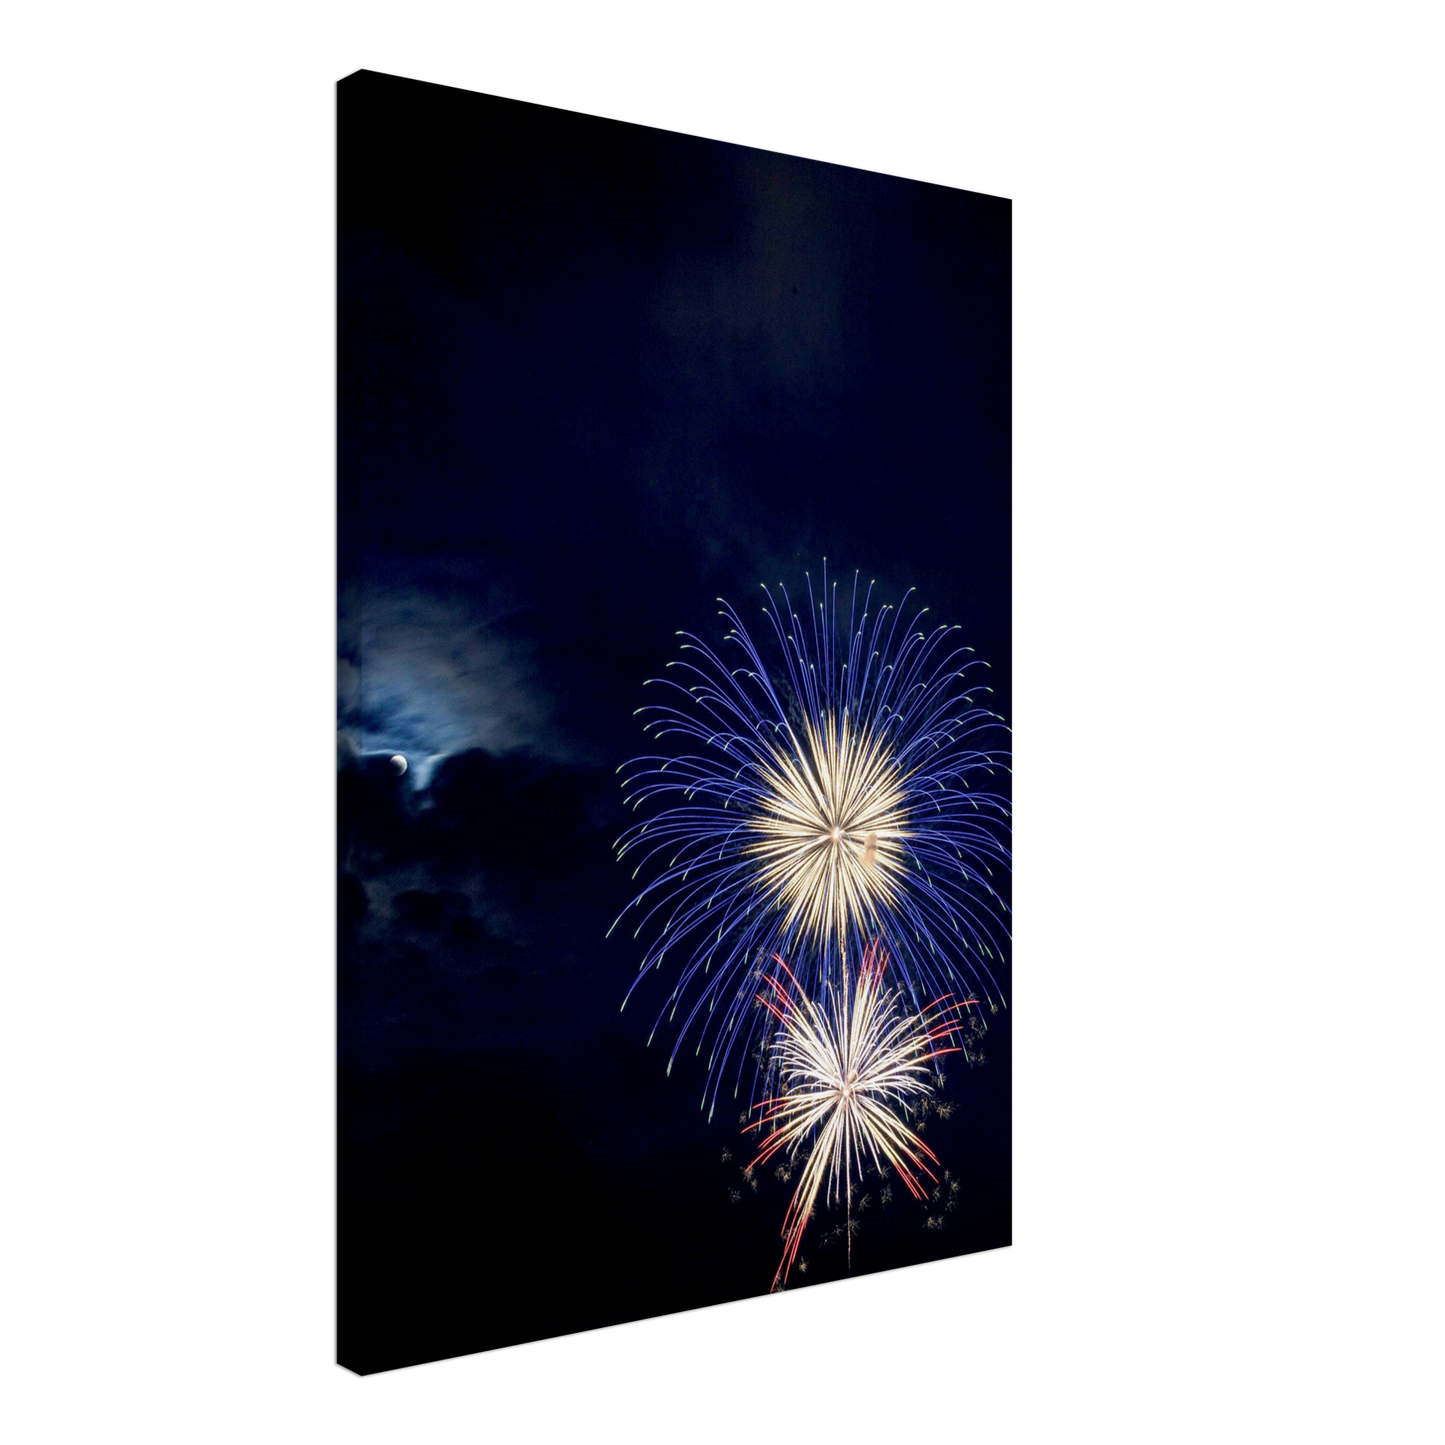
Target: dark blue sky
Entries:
(591, 377)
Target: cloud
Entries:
(783, 305)
(348, 686)
(755, 346)
(436, 662)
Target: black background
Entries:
(591, 378)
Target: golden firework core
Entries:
(836, 813)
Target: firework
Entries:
(845, 1070)
(841, 795)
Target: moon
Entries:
(399, 763)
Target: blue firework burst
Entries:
(848, 792)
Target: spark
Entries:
(846, 1069)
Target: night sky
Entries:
(593, 377)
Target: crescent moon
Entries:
(399, 763)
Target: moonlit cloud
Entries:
(431, 668)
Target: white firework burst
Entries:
(846, 1071)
